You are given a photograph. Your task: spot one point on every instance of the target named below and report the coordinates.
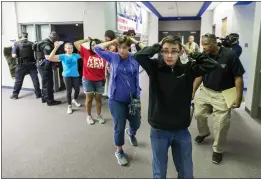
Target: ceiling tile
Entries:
(174, 9)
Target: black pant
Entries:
(72, 82)
(62, 87)
(20, 72)
(46, 73)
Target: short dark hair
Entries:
(24, 35)
(210, 37)
(125, 33)
(124, 40)
(131, 32)
(53, 36)
(176, 40)
(97, 41)
(110, 34)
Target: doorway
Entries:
(224, 27)
(183, 34)
(68, 33)
(214, 29)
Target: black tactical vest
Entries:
(25, 50)
(38, 48)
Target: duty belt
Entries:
(22, 61)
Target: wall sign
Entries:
(129, 17)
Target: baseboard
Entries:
(11, 87)
(247, 110)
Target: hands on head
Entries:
(58, 43)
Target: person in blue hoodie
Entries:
(124, 92)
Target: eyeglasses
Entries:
(165, 52)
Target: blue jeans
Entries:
(180, 143)
(91, 87)
(120, 112)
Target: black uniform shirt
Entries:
(237, 48)
(47, 47)
(224, 78)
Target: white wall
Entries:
(243, 21)
(223, 10)
(153, 29)
(186, 25)
(206, 24)
(50, 11)
(93, 22)
(9, 32)
(252, 63)
(145, 22)
(110, 16)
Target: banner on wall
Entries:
(129, 17)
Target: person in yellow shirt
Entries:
(191, 45)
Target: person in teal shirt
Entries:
(70, 72)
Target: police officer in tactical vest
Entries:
(45, 67)
(23, 53)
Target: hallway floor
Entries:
(42, 141)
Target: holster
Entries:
(41, 62)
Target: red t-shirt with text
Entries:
(93, 65)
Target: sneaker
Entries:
(132, 138)
(100, 119)
(200, 139)
(53, 103)
(89, 120)
(14, 97)
(43, 100)
(76, 103)
(121, 158)
(217, 157)
(69, 110)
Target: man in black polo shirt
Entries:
(211, 97)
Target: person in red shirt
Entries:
(93, 79)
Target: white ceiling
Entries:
(213, 5)
(177, 9)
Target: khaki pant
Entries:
(206, 101)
